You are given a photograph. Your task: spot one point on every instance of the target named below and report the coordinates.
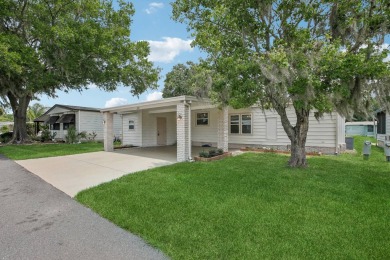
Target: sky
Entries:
(169, 43)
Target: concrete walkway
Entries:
(38, 221)
(74, 173)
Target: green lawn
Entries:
(254, 207)
(33, 151)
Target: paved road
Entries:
(37, 221)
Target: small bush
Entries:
(4, 129)
(212, 153)
(53, 135)
(92, 136)
(30, 129)
(45, 135)
(71, 137)
(204, 154)
(220, 151)
(117, 140)
(82, 135)
(5, 137)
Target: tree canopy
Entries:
(314, 55)
(187, 79)
(34, 111)
(47, 46)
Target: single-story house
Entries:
(383, 126)
(366, 128)
(188, 121)
(88, 119)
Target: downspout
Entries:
(189, 130)
(79, 121)
(337, 134)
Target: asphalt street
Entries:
(37, 221)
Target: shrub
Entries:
(117, 140)
(71, 137)
(5, 137)
(53, 135)
(45, 135)
(220, 151)
(30, 129)
(4, 129)
(92, 136)
(82, 135)
(212, 153)
(204, 154)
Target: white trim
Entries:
(208, 118)
(153, 104)
(240, 123)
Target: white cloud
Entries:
(167, 50)
(114, 102)
(153, 7)
(92, 86)
(154, 96)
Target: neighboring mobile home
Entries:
(366, 128)
(383, 125)
(88, 119)
(188, 121)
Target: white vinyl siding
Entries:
(149, 127)
(205, 134)
(322, 133)
(132, 136)
(93, 122)
(272, 128)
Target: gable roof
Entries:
(44, 117)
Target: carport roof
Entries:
(166, 102)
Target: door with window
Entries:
(161, 131)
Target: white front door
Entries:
(161, 131)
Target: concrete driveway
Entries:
(74, 173)
(38, 221)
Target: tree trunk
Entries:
(298, 150)
(297, 135)
(19, 107)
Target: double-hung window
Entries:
(202, 118)
(241, 124)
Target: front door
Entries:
(161, 131)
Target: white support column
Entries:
(183, 138)
(108, 126)
(223, 129)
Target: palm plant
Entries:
(35, 111)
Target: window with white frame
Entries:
(202, 118)
(241, 124)
(131, 125)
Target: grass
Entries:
(33, 151)
(253, 207)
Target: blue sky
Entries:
(170, 45)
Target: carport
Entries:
(166, 122)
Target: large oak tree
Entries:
(313, 55)
(53, 45)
